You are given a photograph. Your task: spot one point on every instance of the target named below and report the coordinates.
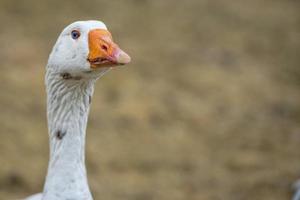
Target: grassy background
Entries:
(209, 108)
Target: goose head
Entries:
(85, 49)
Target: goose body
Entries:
(296, 188)
(83, 52)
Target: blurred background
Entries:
(209, 108)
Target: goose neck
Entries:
(67, 112)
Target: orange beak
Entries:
(103, 51)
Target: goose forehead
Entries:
(85, 26)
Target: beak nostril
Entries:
(104, 47)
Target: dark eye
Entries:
(75, 34)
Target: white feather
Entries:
(68, 104)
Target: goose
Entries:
(83, 52)
(296, 188)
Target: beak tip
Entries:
(123, 58)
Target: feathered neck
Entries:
(68, 103)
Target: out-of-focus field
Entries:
(209, 108)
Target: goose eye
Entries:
(75, 34)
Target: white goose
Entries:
(83, 52)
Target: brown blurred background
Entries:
(209, 108)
